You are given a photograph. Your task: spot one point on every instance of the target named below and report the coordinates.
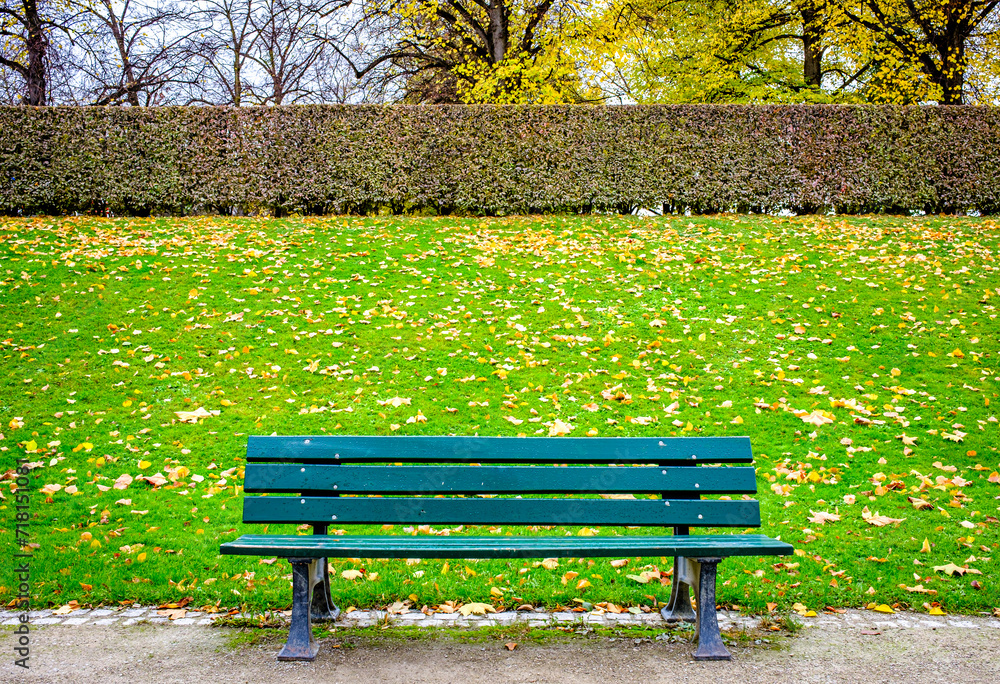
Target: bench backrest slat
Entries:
(545, 479)
(476, 511)
(435, 449)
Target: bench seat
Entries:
(461, 546)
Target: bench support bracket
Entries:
(710, 646)
(322, 606)
(301, 645)
(678, 608)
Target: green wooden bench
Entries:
(363, 481)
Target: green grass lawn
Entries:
(859, 355)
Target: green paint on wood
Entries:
(507, 511)
(464, 479)
(433, 449)
(504, 547)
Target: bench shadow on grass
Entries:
(269, 631)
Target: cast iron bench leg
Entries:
(678, 608)
(300, 644)
(710, 646)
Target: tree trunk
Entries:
(278, 89)
(237, 81)
(498, 32)
(37, 46)
(952, 74)
(953, 88)
(812, 44)
(116, 24)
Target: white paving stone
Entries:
(851, 619)
(965, 624)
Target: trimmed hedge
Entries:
(493, 159)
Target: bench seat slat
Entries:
(441, 449)
(496, 479)
(441, 511)
(384, 546)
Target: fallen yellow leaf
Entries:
(559, 428)
(802, 610)
(476, 609)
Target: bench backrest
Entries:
(470, 481)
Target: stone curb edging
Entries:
(852, 618)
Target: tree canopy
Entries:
(243, 52)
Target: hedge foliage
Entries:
(493, 159)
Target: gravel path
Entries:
(858, 646)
